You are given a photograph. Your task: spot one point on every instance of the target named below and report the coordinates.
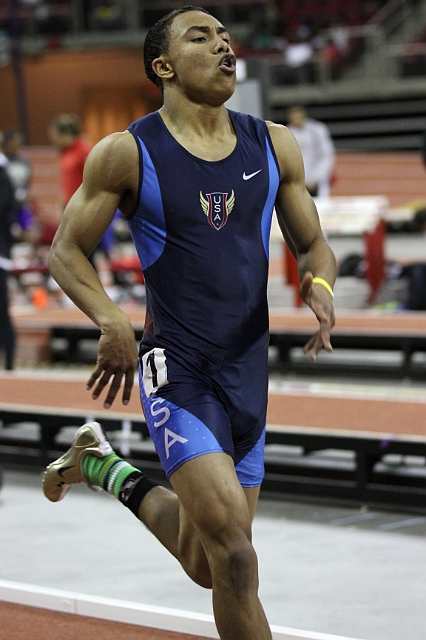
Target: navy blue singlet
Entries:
(201, 230)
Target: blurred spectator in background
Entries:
(19, 171)
(317, 150)
(18, 167)
(298, 56)
(327, 59)
(7, 215)
(340, 37)
(66, 134)
(423, 148)
(333, 51)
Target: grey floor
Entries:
(331, 569)
(339, 570)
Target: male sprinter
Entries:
(197, 184)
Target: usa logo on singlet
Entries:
(217, 207)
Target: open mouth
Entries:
(228, 63)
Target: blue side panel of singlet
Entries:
(274, 181)
(151, 229)
(201, 230)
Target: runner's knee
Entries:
(235, 564)
(232, 564)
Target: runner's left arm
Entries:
(299, 223)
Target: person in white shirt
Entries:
(298, 56)
(317, 149)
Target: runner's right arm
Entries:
(110, 178)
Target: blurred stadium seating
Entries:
(374, 104)
(372, 94)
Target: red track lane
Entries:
(20, 622)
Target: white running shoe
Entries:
(67, 470)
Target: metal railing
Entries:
(393, 16)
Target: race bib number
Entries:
(154, 371)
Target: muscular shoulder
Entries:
(113, 163)
(286, 149)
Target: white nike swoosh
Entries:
(251, 175)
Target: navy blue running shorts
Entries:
(194, 406)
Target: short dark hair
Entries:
(67, 124)
(158, 38)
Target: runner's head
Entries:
(190, 49)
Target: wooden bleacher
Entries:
(401, 334)
(400, 176)
(365, 450)
(52, 335)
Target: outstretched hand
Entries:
(320, 301)
(117, 359)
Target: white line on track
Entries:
(133, 613)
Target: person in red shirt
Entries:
(65, 134)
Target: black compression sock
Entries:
(134, 489)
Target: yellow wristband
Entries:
(324, 284)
